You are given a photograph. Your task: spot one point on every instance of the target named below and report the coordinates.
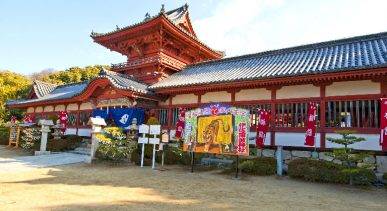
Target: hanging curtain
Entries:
(123, 117)
(102, 113)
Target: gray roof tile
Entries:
(67, 91)
(368, 51)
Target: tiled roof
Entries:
(42, 88)
(122, 81)
(174, 16)
(67, 91)
(369, 51)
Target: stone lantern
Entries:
(96, 128)
(46, 124)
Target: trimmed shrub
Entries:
(66, 143)
(324, 171)
(316, 171)
(363, 176)
(259, 166)
(4, 135)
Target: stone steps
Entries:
(81, 151)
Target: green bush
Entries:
(324, 171)
(66, 143)
(259, 166)
(4, 135)
(172, 156)
(385, 176)
(363, 176)
(114, 145)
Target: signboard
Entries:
(143, 128)
(218, 129)
(155, 129)
(14, 133)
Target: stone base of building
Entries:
(288, 155)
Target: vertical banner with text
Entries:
(180, 124)
(262, 128)
(311, 125)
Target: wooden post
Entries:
(273, 114)
(322, 116)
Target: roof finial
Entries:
(147, 16)
(186, 6)
(162, 10)
(117, 28)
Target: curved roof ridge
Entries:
(146, 20)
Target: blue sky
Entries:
(42, 34)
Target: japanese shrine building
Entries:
(168, 67)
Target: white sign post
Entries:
(154, 130)
(143, 130)
(96, 127)
(43, 141)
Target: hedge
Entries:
(4, 135)
(172, 156)
(69, 142)
(259, 166)
(328, 172)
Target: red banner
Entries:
(262, 127)
(63, 120)
(180, 124)
(28, 119)
(383, 123)
(311, 125)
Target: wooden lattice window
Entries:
(293, 114)
(354, 113)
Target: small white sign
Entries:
(142, 140)
(155, 129)
(154, 140)
(143, 128)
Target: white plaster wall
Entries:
(86, 106)
(216, 97)
(298, 91)
(48, 108)
(60, 108)
(371, 143)
(84, 132)
(72, 107)
(184, 99)
(71, 131)
(353, 88)
(253, 94)
(293, 139)
(39, 109)
(30, 110)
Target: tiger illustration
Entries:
(211, 131)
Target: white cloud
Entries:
(248, 26)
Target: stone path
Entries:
(26, 163)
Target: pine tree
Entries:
(346, 155)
